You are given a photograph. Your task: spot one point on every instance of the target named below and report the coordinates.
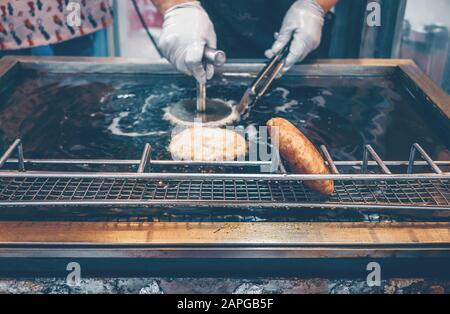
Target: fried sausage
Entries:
(300, 154)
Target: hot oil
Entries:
(109, 117)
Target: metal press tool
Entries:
(202, 109)
(263, 81)
(212, 56)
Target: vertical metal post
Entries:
(21, 157)
(412, 159)
(365, 165)
(146, 156)
(328, 158)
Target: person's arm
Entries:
(186, 31)
(164, 5)
(303, 24)
(327, 4)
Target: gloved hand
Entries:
(186, 31)
(304, 21)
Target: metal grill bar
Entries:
(356, 163)
(225, 176)
(253, 193)
(387, 190)
(417, 148)
(17, 145)
(370, 151)
(330, 160)
(145, 158)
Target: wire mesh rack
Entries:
(383, 190)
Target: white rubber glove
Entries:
(186, 31)
(304, 21)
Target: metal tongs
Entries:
(263, 81)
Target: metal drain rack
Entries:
(384, 190)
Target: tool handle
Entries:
(211, 56)
(216, 57)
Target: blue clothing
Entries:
(246, 28)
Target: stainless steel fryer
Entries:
(395, 188)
